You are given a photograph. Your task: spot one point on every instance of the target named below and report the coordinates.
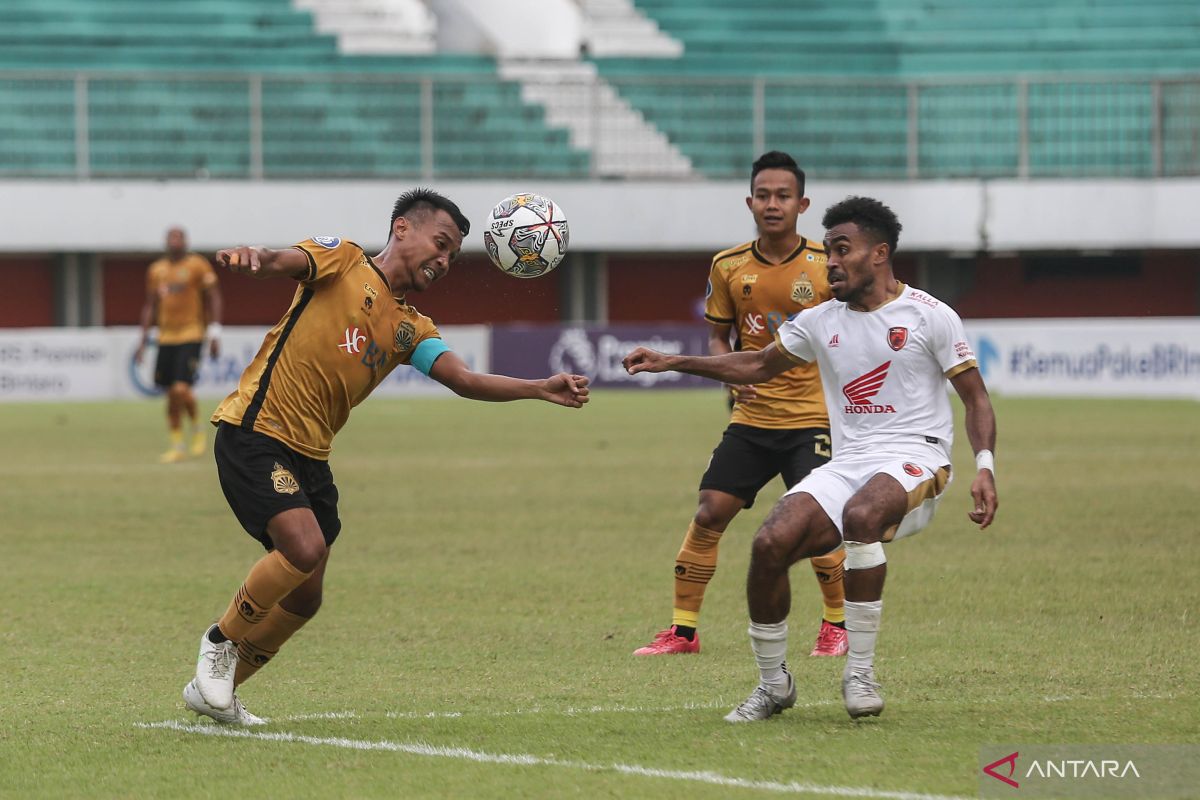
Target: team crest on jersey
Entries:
(897, 338)
(283, 481)
(405, 335)
(328, 242)
(746, 288)
(802, 290)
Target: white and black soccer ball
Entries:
(526, 235)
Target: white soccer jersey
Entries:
(884, 373)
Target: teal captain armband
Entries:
(426, 353)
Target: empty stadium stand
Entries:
(926, 88)
(248, 88)
(859, 88)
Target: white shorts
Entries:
(833, 484)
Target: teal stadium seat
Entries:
(831, 82)
(169, 94)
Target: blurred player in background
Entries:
(348, 327)
(886, 351)
(183, 301)
(779, 427)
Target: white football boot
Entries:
(214, 672)
(234, 715)
(861, 693)
(761, 704)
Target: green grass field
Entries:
(499, 563)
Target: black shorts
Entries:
(262, 477)
(748, 458)
(177, 363)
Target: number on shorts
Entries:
(823, 446)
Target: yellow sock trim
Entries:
(688, 619)
(176, 436)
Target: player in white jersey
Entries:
(885, 352)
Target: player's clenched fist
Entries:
(645, 360)
(240, 259)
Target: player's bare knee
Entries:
(772, 546)
(304, 549)
(714, 516)
(862, 523)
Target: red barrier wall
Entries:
(27, 300)
(1167, 283)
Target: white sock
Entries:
(862, 628)
(769, 643)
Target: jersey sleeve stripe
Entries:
(312, 265)
(719, 320)
(790, 355)
(264, 381)
(958, 369)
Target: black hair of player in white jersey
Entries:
(870, 215)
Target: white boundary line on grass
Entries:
(527, 760)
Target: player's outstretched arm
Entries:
(263, 262)
(742, 368)
(718, 345)
(562, 389)
(981, 432)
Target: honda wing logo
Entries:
(862, 390)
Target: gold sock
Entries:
(263, 642)
(694, 568)
(176, 437)
(270, 580)
(829, 576)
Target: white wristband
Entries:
(985, 460)
(213, 331)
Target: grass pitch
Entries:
(499, 563)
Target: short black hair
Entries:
(422, 199)
(869, 215)
(777, 159)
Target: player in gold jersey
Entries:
(183, 301)
(348, 327)
(777, 428)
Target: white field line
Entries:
(527, 760)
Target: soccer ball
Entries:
(526, 235)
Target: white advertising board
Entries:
(1118, 357)
(97, 363)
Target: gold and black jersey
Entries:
(343, 334)
(179, 287)
(755, 297)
